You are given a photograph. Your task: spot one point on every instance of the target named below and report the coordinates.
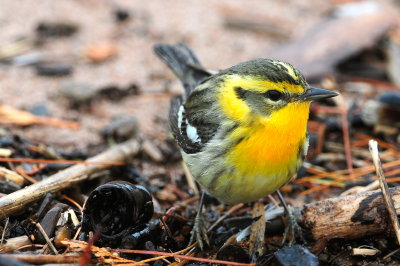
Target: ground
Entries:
(201, 25)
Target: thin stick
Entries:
(346, 134)
(46, 237)
(359, 189)
(226, 214)
(4, 231)
(80, 208)
(77, 233)
(190, 179)
(148, 252)
(142, 262)
(391, 254)
(282, 200)
(373, 148)
(44, 259)
(18, 200)
(27, 177)
(31, 246)
(33, 161)
(273, 200)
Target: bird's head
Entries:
(264, 86)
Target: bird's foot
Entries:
(292, 228)
(199, 231)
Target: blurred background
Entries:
(92, 61)
(77, 76)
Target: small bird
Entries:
(243, 130)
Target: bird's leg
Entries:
(199, 231)
(292, 228)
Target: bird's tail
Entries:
(183, 63)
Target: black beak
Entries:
(312, 94)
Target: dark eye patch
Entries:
(240, 93)
(273, 95)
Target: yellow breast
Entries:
(267, 159)
(272, 144)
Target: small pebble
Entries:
(53, 69)
(122, 127)
(296, 255)
(56, 29)
(28, 59)
(121, 15)
(77, 93)
(39, 109)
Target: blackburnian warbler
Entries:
(242, 130)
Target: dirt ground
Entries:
(200, 24)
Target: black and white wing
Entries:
(190, 123)
(191, 134)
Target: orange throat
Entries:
(273, 144)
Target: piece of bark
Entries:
(18, 200)
(350, 216)
(334, 39)
(12, 244)
(257, 231)
(8, 175)
(49, 222)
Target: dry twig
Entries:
(190, 179)
(373, 147)
(45, 259)
(17, 201)
(10, 115)
(46, 237)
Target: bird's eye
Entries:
(274, 95)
